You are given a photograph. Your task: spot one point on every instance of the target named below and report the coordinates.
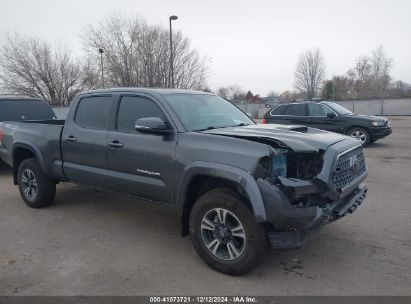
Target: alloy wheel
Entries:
(29, 183)
(223, 234)
(360, 135)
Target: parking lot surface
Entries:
(95, 243)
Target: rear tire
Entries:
(361, 134)
(35, 188)
(225, 234)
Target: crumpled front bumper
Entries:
(291, 225)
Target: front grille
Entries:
(350, 166)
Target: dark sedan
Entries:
(332, 117)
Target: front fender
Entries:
(230, 173)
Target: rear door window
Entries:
(94, 112)
(296, 110)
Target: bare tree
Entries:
(224, 92)
(290, 96)
(30, 66)
(273, 93)
(338, 88)
(380, 70)
(233, 93)
(371, 74)
(360, 75)
(400, 89)
(310, 73)
(138, 54)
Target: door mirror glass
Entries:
(153, 125)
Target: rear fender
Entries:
(34, 150)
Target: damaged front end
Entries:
(302, 190)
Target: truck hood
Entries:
(298, 138)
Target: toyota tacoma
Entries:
(237, 186)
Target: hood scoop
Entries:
(302, 129)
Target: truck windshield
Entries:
(198, 112)
(20, 110)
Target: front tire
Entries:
(35, 188)
(361, 134)
(225, 234)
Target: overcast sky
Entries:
(252, 43)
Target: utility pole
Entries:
(173, 17)
(101, 51)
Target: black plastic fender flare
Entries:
(33, 149)
(230, 173)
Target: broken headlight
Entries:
(286, 163)
(279, 164)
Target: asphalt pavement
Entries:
(95, 243)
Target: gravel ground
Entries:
(95, 243)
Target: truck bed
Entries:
(46, 134)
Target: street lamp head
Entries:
(173, 17)
(101, 51)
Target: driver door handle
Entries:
(70, 138)
(116, 144)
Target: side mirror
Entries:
(153, 125)
(331, 115)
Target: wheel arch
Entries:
(362, 127)
(22, 151)
(200, 177)
(350, 127)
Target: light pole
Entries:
(101, 51)
(173, 17)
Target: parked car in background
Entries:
(23, 108)
(236, 185)
(332, 117)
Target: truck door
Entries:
(141, 164)
(84, 141)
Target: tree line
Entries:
(135, 54)
(368, 78)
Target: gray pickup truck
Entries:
(236, 185)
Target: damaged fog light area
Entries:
(279, 164)
(288, 164)
(295, 174)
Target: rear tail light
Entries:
(1, 134)
(264, 121)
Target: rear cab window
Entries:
(25, 109)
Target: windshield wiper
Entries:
(242, 124)
(205, 129)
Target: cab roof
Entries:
(161, 91)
